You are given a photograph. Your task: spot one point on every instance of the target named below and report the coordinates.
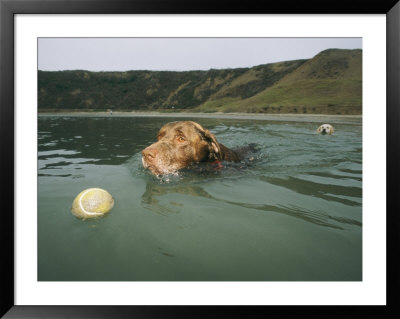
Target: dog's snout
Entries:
(149, 153)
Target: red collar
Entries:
(218, 163)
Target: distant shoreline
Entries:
(242, 116)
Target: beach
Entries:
(315, 118)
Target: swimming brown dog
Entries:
(182, 143)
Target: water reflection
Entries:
(94, 140)
(325, 191)
(154, 190)
(152, 200)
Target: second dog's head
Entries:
(325, 129)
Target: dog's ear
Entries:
(213, 145)
(332, 129)
(214, 148)
(319, 129)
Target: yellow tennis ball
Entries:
(92, 203)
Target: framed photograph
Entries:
(161, 159)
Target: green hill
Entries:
(329, 83)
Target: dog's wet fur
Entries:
(183, 144)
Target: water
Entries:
(294, 214)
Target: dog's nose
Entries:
(149, 153)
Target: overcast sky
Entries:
(178, 54)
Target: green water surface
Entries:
(295, 214)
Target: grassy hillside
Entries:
(328, 83)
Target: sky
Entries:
(178, 54)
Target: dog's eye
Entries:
(180, 139)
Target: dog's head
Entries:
(178, 145)
(325, 129)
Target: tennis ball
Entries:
(92, 203)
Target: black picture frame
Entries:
(8, 8)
